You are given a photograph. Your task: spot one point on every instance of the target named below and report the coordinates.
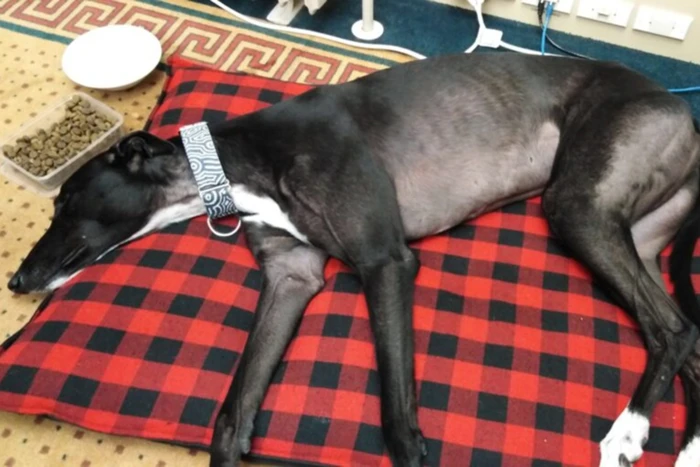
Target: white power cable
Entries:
(482, 26)
(485, 37)
(276, 27)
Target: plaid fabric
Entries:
(520, 360)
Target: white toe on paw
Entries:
(690, 455)
(626, 438)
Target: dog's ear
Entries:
(137, 147)
(144, 144)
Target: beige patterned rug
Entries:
(33, 35)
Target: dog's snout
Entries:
(15, 283)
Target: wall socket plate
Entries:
(616, 12)
(663, 22)
(562, 6)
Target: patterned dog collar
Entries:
(213, 186)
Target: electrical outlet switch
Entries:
(562, 6)
(616, 12)
(663, 22)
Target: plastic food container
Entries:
(49, 184)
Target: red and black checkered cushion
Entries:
(520, 360)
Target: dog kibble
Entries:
(48, 150)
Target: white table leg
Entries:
(367, 28)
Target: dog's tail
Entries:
(682, 257)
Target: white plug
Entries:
(491, 38)
(486, 37)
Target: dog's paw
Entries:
(406, 447)
(623, 445)
(690, 454)
(229, 442)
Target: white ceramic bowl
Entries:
(112, 58)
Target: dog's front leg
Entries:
(389, 286)
(292, 275)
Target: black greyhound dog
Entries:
(357, 170)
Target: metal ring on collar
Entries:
(221, 234)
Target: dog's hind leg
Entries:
(292, 275)
(651, 235)
(616, 167)
(690, 376)
(681, 277)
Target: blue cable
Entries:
(683, 90)
(548, 16)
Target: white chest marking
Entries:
(170, 215)
(264, 211)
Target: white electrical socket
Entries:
(562, 6)
(616, 12)
(663, 22)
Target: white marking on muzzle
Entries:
(160, 219)
(59, 281)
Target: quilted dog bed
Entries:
(521, 360)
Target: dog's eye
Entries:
(59, 206)
(60, 200)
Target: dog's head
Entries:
(115, 197)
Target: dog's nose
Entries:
(15, 283)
